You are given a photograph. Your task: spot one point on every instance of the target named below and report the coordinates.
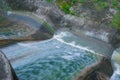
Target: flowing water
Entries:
(59, 58)
(49, 60)
(62, 57)
(116, 64)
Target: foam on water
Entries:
(102, 35)
(65, 34)
(116, 74)
(116, 64)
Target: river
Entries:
(62, 57)
(59, 58)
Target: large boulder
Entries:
(6, 71)
(100, 71)
(18, 26)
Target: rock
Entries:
(90, 28)
(87, 24)
(43, 33)
(6, 71)
(4, 43)
(21, 5)
(93, 23)
(115, 41)
(11, 32)
(50, 12)
(16, 28)
(100, 71)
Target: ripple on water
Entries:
(53, 59)
(56, 68)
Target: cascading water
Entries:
(116, 64)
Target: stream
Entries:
(62, 57)
(49, 60)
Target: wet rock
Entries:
(6, 71)
(100, 71)
(115, 41)
(16, 28)
(11, 32)
(4, 43)
(93, 22)
(43, 33)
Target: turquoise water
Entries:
(62, 57)
(53, 59)
(60, 66)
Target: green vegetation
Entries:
(49, 27)
(116, 19)
(50, 0)
(2, 19)
(4, 8)
(101, 5)
(66, 6)
(97, 5)
(3, 5)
